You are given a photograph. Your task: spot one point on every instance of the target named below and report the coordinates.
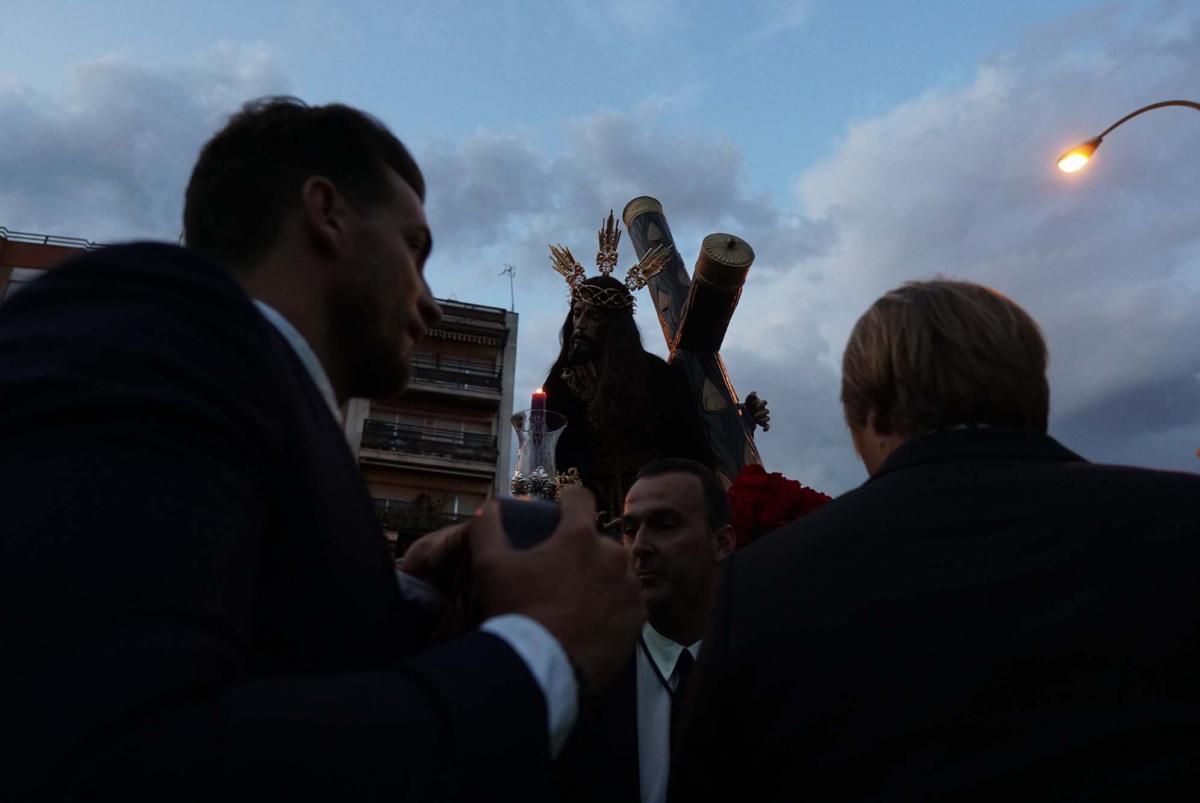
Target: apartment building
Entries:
(430, 455)
(24, 256)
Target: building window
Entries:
(20, 277)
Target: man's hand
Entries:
(435, 558)
(756, 411)
(576, 583)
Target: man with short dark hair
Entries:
(676, 527)
(989, 617)
(198, 599)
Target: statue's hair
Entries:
(623, 393)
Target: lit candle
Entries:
(537, 425)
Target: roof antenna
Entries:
(512, 296)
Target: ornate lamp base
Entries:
(537, 484)
(540, 485)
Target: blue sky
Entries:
(779, 78)
(854, 144)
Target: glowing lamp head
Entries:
(1079, 156)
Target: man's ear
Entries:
(326, 216)
(724, 542)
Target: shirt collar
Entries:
(308, 357)
(663, 651)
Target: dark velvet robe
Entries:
(608, 462)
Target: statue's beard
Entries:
(581, 349)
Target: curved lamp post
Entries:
(1078, 156)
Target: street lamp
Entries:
(1077, 157)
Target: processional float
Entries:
(694, 312)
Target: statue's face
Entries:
(590, 325)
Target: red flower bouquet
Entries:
(760, 502)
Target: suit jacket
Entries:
(989, 617)
(198, 600)
(599, 762)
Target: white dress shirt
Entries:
(540, 651)
(656, 659)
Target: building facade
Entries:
(429, 455)
(24, 256)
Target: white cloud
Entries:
(605, 19)
(776, 17)
(953, 182)
(957, 182)
(961, 183)
(110, 157)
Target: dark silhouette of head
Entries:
(249, 175)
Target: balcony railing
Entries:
(48, 239)
(456, 373)
(406, 517)
(429, 441)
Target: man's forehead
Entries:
(673, 491)
(407, 200)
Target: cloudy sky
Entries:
(854, 145)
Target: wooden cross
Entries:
(695, 316)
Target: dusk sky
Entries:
(855, 145)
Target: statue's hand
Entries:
(755, 410)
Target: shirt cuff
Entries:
(550, 667)
(418, 592)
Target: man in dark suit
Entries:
(198, 602)
(988, 617)
(676, 528)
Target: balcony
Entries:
(447, 443)
(458, 374)
(410, 520)
(401, 516)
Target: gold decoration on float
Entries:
(636, 277)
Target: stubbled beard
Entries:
(372, 367)
(580, 350)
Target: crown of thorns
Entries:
(606, 260)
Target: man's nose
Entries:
(641, 545)
(431, 311)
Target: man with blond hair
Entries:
(989, 616)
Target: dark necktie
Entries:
(683, 668)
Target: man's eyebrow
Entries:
(665, 512)
(655, 514)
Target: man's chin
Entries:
(654, 587)
(579, 352)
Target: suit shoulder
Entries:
(1158, 490)
(1135, 474)
(145, 324)
(116, 269)
(135, 292)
